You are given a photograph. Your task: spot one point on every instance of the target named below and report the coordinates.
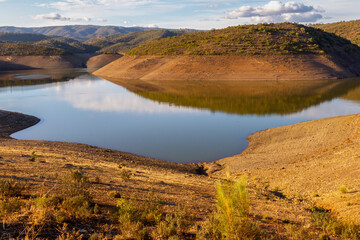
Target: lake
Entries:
(193, 121)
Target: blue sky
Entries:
(199, 14)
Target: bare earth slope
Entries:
(312, 158)
(11, 122)
(55, 62)
(302, 67)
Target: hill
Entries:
(261, 39)
(67, 44)
(22, 37)
(121, 43)
(284, 51)
(27, 49)
(39, 41)
(79, 32)
(349, 30)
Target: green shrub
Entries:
(76, 184)
(78, 207)
(231, 221)
(343, 189)
(323, 219)
(125, 174)
(10, 188)
(9, 206)
(174, 224)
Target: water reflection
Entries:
(176, 121)
(37, 77)
(266, 97)
(100, 97)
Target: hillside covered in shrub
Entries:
(79, 32)
(261, 39)
(349, 30)
(28, 49)
(121, 43)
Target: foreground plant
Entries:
(231, 220)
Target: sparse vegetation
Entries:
(343, 189)
(10, 188)
(330, 226)
(261, 39)
(232, 220)
(349, 30)
(125, 174)
(27, 49)
(121, 43)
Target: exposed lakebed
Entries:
(176, 121)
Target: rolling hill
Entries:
(349, 30)
(68, 44)
(27, 49)
(121, 43)
(22, 37)
(261, 39)
(283, 51)
(79, 32)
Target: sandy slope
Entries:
(310, 159)
(56, 62)
(102, 60)
(300, 67)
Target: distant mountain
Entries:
(22, 37)
(79, 32)
(121, 43)
(38, 42)
(349, 30)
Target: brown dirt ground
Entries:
(172, 183)
(301, 67)
(56, 62)
(102, 60)
(312, 159)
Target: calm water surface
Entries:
(185, 126)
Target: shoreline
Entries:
(312, 159)
(228, 68)
(22, 121)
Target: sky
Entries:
(194, 14)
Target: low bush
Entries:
(10, 188)
(231, 220)
(329, 225)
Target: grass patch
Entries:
(330, 226)
(231, 220)
(10, 188)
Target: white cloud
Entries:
(276, 11)
(211, 6)
(58, 17)
(84, 5)
(101, 20)
(152, 25)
